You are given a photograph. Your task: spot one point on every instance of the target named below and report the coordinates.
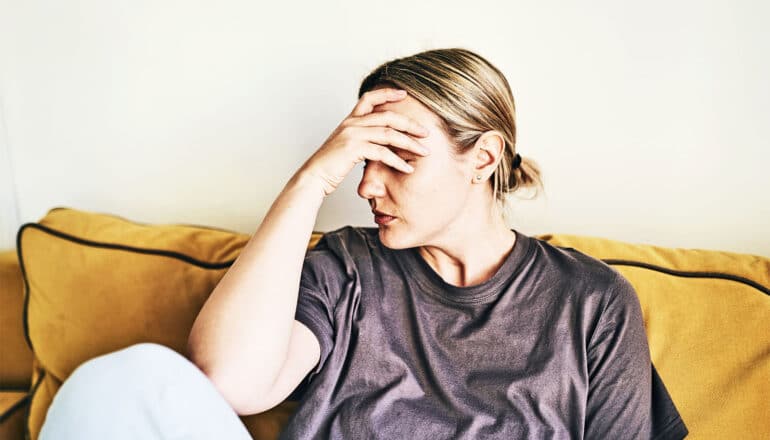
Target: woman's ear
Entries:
(489, 150)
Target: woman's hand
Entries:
(363, 135)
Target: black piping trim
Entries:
(16, 406)
(688, 274)
(138, 250)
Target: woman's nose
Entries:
(372, 184)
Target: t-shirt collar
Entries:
(433, 284)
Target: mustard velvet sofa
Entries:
(80, 284)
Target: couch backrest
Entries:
(95, 283)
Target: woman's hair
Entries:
(470, 96)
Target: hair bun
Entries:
(516, 161)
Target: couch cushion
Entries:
(15, 354)
(707, 318)
(97, 283)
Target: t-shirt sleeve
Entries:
(619, 373)
(320, 287)
(666, 421)
(626, 397)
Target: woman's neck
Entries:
(471, 257)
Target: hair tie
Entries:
(516, 161)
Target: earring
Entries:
(478, 177)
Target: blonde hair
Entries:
(470, 96)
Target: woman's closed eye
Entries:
(405, 159)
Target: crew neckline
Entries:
(486, 291)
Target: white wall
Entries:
(9, 215)
(650, 119)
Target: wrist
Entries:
(306, 182)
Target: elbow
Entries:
(233, 393)
(227, 391)
(240, 389)
(243, 395)
(198, 358)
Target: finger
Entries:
(376, 97)
(392, 119)
(389, 136)
(386, 156)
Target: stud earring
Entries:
(478, 177)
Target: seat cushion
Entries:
(97, 283)
(707, 318)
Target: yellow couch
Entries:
(80, 284)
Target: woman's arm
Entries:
(241, 335)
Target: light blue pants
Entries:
(145, 391)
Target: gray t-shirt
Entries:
(553, 345)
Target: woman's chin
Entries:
(393, 239)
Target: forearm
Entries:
(241, 335)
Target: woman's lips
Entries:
(383, 219)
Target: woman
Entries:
(441, 322)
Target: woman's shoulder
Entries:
(347, 243)
(575, 265)
(350, 235)
(594, 284)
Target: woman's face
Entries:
(428, 202)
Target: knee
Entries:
(130, 368)
(144, 356)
